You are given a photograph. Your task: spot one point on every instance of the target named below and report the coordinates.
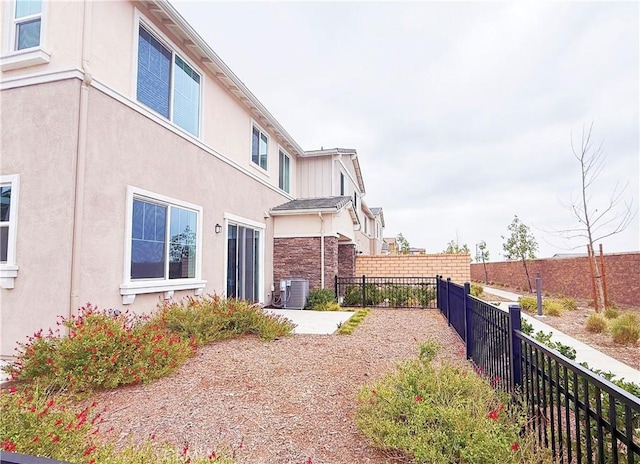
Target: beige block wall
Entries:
(447, 265)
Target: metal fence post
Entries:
(539, 293)
(515, 353)
(335, 286)
(438, 293)
(364, 291)
(468, 331)
(448, 300)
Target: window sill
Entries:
(24, 59)
(168, 287)
(8, 274)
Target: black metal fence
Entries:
(386, 292)
(580, 416)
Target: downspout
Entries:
(80, 161)
(321, 249)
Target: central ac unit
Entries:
(294, 293)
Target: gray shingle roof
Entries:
(335, 203)
(375, 211)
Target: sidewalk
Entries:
(584, 353)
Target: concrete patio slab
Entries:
(313, 322)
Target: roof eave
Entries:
(229, 80)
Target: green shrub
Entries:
(552, 308)
(568, 304)
(100, 351)
(625, 329)
(350, 325)
(528, 304)
(40, 424)
(449, 415)
(476, 290)
(565, 350)
(322, 299)
(610, 312)
(525, 326)
(596, 323)
(424, 294)
(212, 318)
(353, 295)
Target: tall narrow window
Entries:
(284, 175)
(342, 184)
(259, 147)
(244, 267)
(5, 223)
(27, 23)
(9, 186)
(167, 84)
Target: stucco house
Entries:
(136, 166)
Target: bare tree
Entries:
(595, 224)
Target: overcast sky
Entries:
(461, 113)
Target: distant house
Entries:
(137, 167)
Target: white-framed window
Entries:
(27, 24)
(284, 176)
(166, 82)
(259, 147)
(342, 184)
(9, 194)
(163, 246)
(24, 34)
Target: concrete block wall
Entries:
(570, 276)
(447, 265)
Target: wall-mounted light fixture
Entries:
(218, 228)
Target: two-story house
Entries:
(136, 166)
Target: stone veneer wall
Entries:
(447, 265)
(346, 260)
(299, 257)
(570, 276)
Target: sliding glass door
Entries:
(243, 263)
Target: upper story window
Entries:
(9, 187)
(27, 23)
(284, 178)
(166, 83)
(259, 147)
(342, 186)
(23, 21)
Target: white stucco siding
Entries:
(127, 149)
(38, 142)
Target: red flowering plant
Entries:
(101, 350)
(38, 423)
(212, 318)
(444, 413)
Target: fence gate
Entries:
(386, 292)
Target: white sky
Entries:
(461, 113)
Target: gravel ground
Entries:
(285, 401)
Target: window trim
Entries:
(266, 134)
(32, 56)
(142, 21)
(9, 270)
(132, 287)
(288, 180)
